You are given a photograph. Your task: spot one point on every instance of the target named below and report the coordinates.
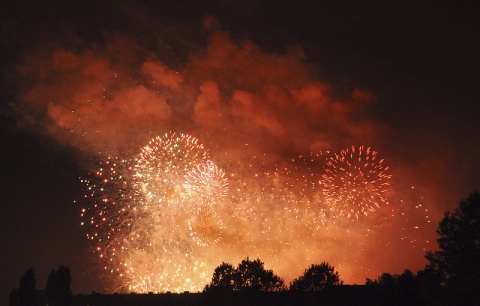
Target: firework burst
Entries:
(163, 219)
(206, 184)
(205, 226)
(154, 214)
(355, 181)
(113, 211)
(162, 165)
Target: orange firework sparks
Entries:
(355, 181)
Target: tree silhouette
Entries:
(403, 289)
(248, 276)
(26, 295)
(14, 297)
(251, 275)
(223, 277)
(407, 283)
(58, 287)
(27, 291)
(404, 285)
(456, 264)
(317, 277)
(386, 282)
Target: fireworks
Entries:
(151, 214)
(206, 184)
(113, 212)
(162, 166)
(205, 226)
(355, 181)
(163, 219)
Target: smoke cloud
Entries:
(255, 111)
(103, 98)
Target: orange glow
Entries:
(252, 180)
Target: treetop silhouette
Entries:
(317, 277)
(58, 287)
(26, 295)
(250, 275)
(456, 265)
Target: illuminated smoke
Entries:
(163, 219)
(149, 220)
(162, 216)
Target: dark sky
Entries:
(402, 78)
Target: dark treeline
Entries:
(451, 277)
(57, 291)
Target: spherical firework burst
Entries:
(205, 226)
(162, 165)
(206, 184)
(355, 181)
(158, 222)
(153, 215)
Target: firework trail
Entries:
(355, 181)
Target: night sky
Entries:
(258, 83)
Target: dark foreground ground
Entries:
(232, 299)
(336, 296)
(341, 295)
